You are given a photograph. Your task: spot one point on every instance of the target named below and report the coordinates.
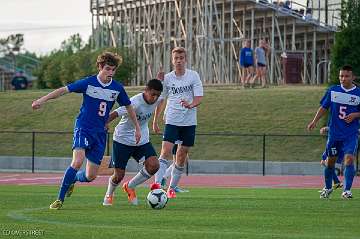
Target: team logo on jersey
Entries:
(352, 99)
(113, 95)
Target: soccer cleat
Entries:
(180, 190)
(163, 183)
(56, 205)
(337, 185)
(325, 193)
(155, 186)
(131, 194)
(70, 190)
(108, 200)
(347, 195)
(171, 193)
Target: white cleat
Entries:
(325, 193)
(347, 195)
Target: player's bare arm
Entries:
(52, 95)
(132, 115)
(113, 115)
(157, 114)
(196, 102)
(320, 112)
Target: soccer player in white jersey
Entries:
(99, 95)
(124, 145)
(184, 91)
(344, 103)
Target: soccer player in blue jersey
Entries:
(343, 102)
(99, 95)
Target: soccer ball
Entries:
(157, 199)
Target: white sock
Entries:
(111, 187)
(168, 171)
(139, 178)
(176, 175)
(160, 173)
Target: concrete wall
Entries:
(10, 163)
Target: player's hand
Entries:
(323, 130)
(156, 128)
(311, 126)
(185, 104)
(36, 104)
(137, 136)
(349, 118)
(161, 74)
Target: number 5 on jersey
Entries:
(102, 109)
(342, 112)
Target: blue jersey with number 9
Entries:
(341, 102)
(98, 99)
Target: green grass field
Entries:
(202, 213)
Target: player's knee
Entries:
(76, 165)
(152, 165)
(349, 161)
(118, 176)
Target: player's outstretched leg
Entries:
(328, 175)
(109, 195)
(68, 179)
(175, 178)
(163, 164)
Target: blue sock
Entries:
(349, 174)
(68, 179)
(81, 176)
(335, 178)
(328, 173)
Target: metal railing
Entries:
(261, 148)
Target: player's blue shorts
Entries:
(121, 153)
(186, 134)
(93, 142)
(338, 147)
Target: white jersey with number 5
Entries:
(177, 88)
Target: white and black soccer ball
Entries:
(157, 199)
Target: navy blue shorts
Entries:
(261, 65)
(92, 142)
(186, 134)
(121, 153)
(247, 65)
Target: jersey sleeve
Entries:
(198, 87)
(79, 86)
(326, 100)
(122, 109)
(123, 98)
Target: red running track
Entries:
(208, 180)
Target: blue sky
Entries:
(45, 23)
